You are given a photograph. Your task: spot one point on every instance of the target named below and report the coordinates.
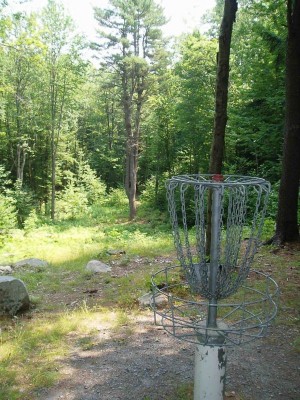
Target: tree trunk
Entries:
(53, 104)
(21, 147)
(131, 149)
(287, 229)
(131, 176)
(53, 175)
(218, 143)
(21, 159)
(132, 141)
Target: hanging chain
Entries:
(242, 200)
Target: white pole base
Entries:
(210, 369)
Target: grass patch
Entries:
(32, 350)
(183, 392)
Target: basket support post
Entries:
(214, 256)
(210, 372)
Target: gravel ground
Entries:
(149, 364)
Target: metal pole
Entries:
(210, 370)
(214, 256)
(210, 360)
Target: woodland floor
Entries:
(153, 365)
(143, 362)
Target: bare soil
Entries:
(151, 364)
(146, 363)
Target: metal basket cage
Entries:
(235, 206)
(244, 318)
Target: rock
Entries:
(5, 269)
(97, 266)
(115, 252)
(147, 300)
(229, 394)
(13, 296)
(31, 262)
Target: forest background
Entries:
(73, 135)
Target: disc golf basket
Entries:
(217, 222)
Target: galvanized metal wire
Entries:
(242, 319)
(238, 219)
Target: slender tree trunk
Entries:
(132, 148)
(21, 148)
(287, 229)
(53, 99)
(56, 127)
(132, 143)
(130, 171)
(21, 160)
(218, 143)
(131, 174)
(53, 175)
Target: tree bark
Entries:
(21, 146)
(21, 159)
(218, 143)
(132, 114)
(131, 176)
(53, 99)
(53, 177)
(287, 229)
(131, 149)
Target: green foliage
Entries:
(183, 392)
(256, 102)
(87, 179)
(71, 203)
(268, 229)
(55, 108)
(8, 213)
(154, 194)
(194, 112)
(24, 202)
(5, 181)
(116, 197)
(32, 221)
(100, 132)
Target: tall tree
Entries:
(218, 144)
(132, 37)
(63, 67)
(256, 103)
(287, 229)
(20, 69)
(221, 100)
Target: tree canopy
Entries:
(144, 112)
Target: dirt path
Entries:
(151, 365)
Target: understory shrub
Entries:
(117, 197)
(71, 203)
(93, 187)
(24, 201)
(154, 194)
(8, 216)
(32, 221)
(8, 213)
